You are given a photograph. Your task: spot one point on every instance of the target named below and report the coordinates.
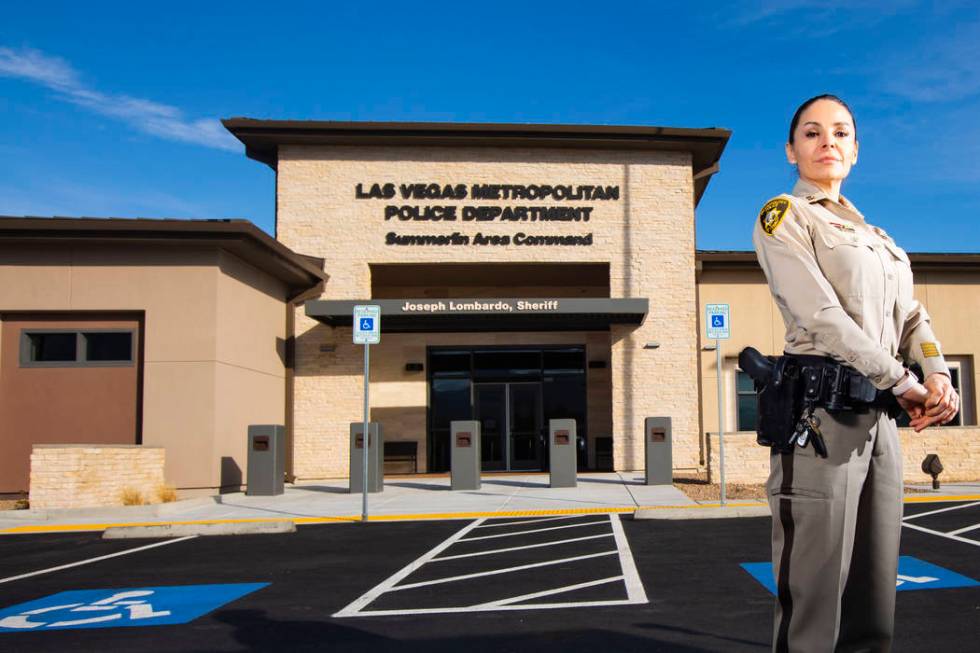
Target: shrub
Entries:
(166, 493)
(131, 497)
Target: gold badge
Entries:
(772, 214)
(929, 349)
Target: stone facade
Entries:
(84, 476)
(646, 237)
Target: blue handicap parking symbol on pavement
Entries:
(913, 574)
(718, 321)
(110, 608)
(367, 324)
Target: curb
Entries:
(707, 512)
(187, 530)
(108, 512)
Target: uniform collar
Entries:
(814, 194)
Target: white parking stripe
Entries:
(941, 534)
(354, 608)
(495, 608)
(963, 530)
(936, 512)
(98, 559)
(534, 521)
(534, 530)
(557, 590)
(505, 570)
(634, 586)
(520, 548)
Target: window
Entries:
(64, 348)
(961, 374)
(748, 412)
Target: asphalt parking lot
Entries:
(563, 583)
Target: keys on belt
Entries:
(808, 430)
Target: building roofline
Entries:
(746, 259)
(241, 237)
(262, 138)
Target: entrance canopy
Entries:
(488, 313)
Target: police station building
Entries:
(524, 273)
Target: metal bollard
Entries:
(375, 458)
(658, 450)
(266, 466)
(465, 458)
(562, 440)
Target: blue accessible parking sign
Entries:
(111, 608)
(913, 574)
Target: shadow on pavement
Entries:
(256, 632)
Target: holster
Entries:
(779, 389)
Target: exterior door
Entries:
(525, 426)
(490, 400)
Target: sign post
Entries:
(718, 322)
(367, 332)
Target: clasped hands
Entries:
(933, 401)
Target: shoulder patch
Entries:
(772, 214)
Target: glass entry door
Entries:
(510, 425)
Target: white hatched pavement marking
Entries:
(534, 521)
(963, 530)
(634, 586)
(533, 530)
(941, 534)
(97, 559)
(385, 585)
(495, 572)
(935, 512)
(557, 590)
(520, 548)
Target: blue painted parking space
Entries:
(113, 608)
(913, 574)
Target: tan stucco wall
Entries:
(646, 237)
(950, 299)
(214, 338)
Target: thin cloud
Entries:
(162, 120)
(942, 69)
(815, 17)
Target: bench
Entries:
(402, 452)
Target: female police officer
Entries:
(844, 289)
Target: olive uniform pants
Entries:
(836, 524)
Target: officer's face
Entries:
(824, 149)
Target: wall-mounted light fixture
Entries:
(326, 349)
(414, 367)
(709, 348)
(652, 345)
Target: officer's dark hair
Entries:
(825, 96)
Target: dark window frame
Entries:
(81, 348)
(738, 395)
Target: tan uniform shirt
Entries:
(844, 287)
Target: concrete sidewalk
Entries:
(420, 497)
(404, 497)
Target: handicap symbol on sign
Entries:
(718, 321)
(367, 324)
(110, 608)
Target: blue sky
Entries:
(111, 109)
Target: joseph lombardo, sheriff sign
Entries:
(496, 306)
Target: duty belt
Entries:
(833, 385)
